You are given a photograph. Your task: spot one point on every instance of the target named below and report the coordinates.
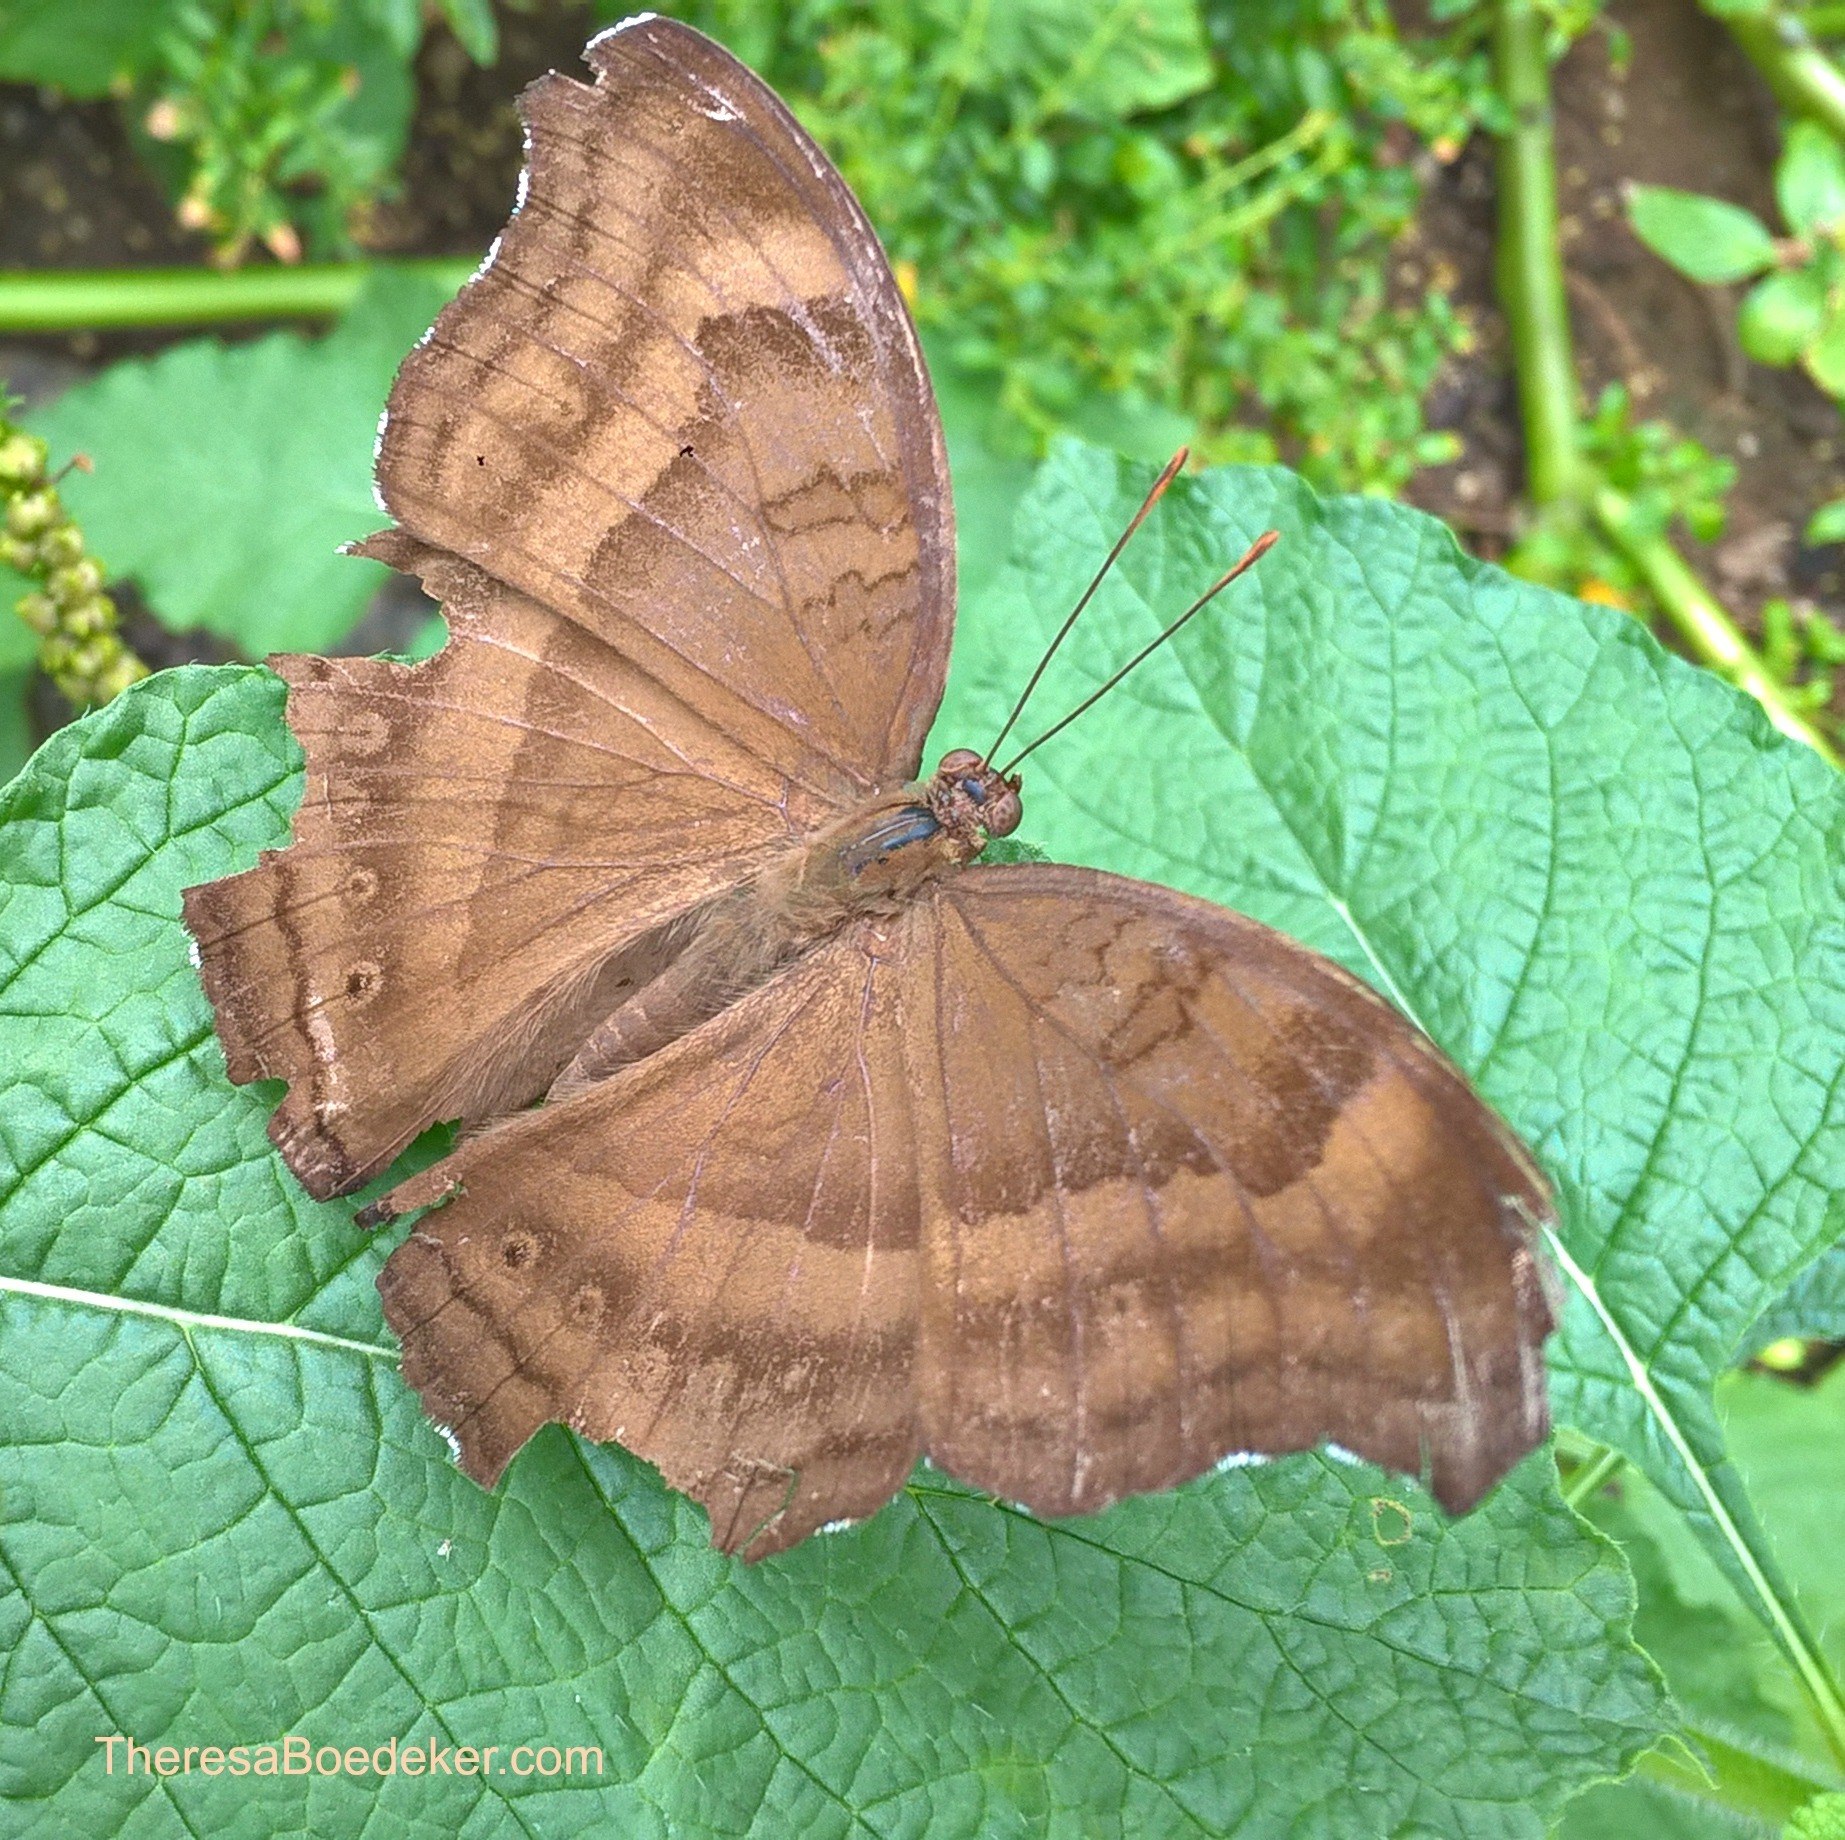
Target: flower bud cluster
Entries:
(79, 647)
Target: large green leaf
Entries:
(1596, 875)
(223, 1519)
(227, 476)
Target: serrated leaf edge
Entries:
(1781, 1617)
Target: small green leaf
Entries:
(1827, 524)
(226, 477)
(399, 23)
(1825, 357)
(1781, 316)
(1704, 238)
(473, 23)
(1810, 180)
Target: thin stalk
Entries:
(1122, 17)
(98, 300)
(1258, 210)
(1701, 621)
(1530, 269)
(80, 643)
(1588, 1479)
(961, 69)
(1310, 128)
(1804, 79)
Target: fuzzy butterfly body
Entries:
(798, 1144)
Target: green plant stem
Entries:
(1311, 127)
(1116, 23)
(1260, 209)
(97, 300)
(1804, 79)
(1530, 270)
(1700, 620)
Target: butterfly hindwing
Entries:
(710, 1256)
(1073, 1184)
(1200, 1191)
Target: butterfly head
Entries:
(973, 800)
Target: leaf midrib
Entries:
(187, 1321)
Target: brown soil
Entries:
(1687, 110)
(465, 144)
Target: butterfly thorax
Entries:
(869, 861)
(888, 848)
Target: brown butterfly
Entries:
(848, 1152)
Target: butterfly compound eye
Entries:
(1003, 810)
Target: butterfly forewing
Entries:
(479, 835)
(683, 405)
(673, 464)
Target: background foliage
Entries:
(1177, 204)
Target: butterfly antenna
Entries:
(1253, 554)
(1063, 632)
